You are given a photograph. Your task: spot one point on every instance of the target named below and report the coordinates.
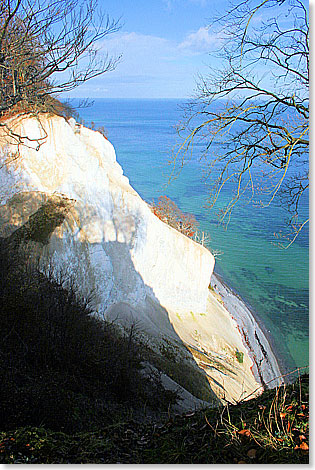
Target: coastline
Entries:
(266, 368)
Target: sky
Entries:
(164, 45)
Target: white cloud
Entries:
(151, 66)
(146, 50)
(199, 41)
(139, 51)
(124, 41)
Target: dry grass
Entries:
(270, 429)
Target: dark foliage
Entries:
(59, 365)
(270, 429)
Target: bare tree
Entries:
(48, 47)
(250, 115)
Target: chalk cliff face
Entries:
(63, 191)
(109, 227)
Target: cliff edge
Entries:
(64, 197)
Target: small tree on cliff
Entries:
(251, 114)
(47, 48)
(167, 211)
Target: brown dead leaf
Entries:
(244, 433)
(242, 462)
(304, 446)
(282, 415)
(302, 437)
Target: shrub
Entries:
(167, 211)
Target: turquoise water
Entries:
(273, 281)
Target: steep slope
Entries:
(64, 196)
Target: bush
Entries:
(167, 211)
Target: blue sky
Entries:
(164, 45)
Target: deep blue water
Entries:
(273, 281)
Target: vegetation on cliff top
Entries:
(47, 48)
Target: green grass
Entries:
(182, 371)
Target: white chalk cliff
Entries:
(105, 238)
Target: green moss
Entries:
(239, 356)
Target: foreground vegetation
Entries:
(270, 429)
(72, 391)
(61, 367)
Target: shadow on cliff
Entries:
(131, 303)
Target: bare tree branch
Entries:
(250, 115)
(47, 48)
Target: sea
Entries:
(273, 281)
